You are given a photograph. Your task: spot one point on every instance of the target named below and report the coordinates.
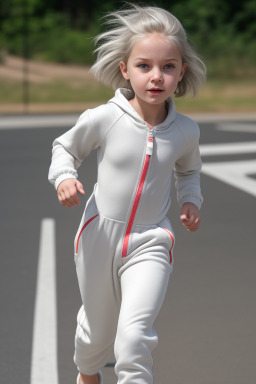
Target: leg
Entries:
(100, 292)
(143, 286)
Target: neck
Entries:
(152, 114)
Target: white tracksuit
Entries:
(123, 247)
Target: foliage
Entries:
(224, 32)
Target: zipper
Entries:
(149, 151)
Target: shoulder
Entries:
(187, 126)
(103, 115)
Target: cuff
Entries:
(63, 177)
(191, 199)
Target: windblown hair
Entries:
(128, 26)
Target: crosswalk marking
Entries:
(237, 127)
(235, 173)
(44, 345)
(44, 365)
(228, 148)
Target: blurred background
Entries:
(46, 51)
(207, 325)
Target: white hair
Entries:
(129, 25)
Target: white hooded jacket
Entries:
(134, 164)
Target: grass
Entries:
(56, 91)
(220, 96)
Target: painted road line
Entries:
(222, 117)
(235, 127)
(228, 148)
(37, 121)
(235, 173)
(69, 119)
(44, 364)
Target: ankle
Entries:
(88, 379)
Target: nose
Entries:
(156, 75)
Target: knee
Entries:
(93, 340)
(135, 343)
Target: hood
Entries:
(122, 97)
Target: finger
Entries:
(192, 218)
(71, 198)
(62, 202)
(75, 201)
(196, 222)
(62, 199)
(80, 188)
(194, 227)
(184, 218)
(73, 195)
(188, 223)
(70, 203)
(66, 203)
(191, 229)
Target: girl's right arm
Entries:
(69, 150)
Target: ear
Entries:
(183, 70)
(123, 69)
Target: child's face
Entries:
(154, 68)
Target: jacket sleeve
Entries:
(72, 147)
(187, 170)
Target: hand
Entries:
(190, 217)
(67, 192)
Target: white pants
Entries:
(121, 296)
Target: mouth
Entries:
(155, 91)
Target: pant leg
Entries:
(144, 280)
(100, 292)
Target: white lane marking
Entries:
(68, 120)
(235, 173)
(237, 127)
(44, 364)
(31, 122)
(227, 148)
(222, 117)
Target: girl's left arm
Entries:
(187, 180)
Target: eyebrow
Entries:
(146, 58)
(172, 59)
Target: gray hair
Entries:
(136, 22)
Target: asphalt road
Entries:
(207, 325)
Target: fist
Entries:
(68, 192)
(190, 217)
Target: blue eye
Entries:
(169, 66)
(143, 66)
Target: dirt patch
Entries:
(13, 68)
(71, 88)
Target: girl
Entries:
(124, 244)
